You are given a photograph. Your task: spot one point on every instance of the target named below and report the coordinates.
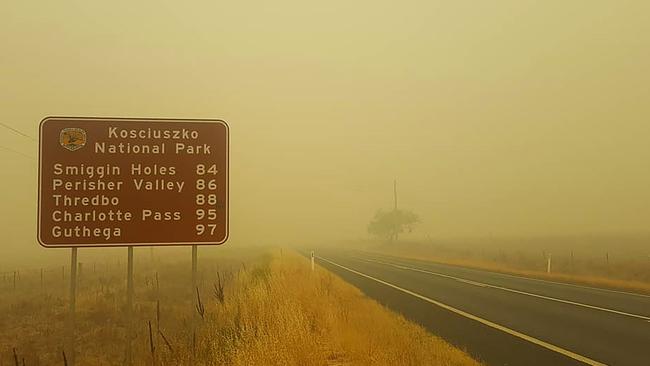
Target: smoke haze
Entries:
(508, 118)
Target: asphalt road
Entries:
(502, 319)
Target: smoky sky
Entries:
(496, 118)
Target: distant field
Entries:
(273, 311)
(616, 263)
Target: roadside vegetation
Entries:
(616, 269)
(264, 308)
(617, 262)
(389, 225)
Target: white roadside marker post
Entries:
(548, 263)
(312, 261)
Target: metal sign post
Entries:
(70, 354)
(129, 307)
(116, 182)
(195, 293)
(195, 263)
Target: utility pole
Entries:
(394, 236)
(395, 193)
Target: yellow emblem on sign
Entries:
(72, 138)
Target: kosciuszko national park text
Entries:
(113, 182)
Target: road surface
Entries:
(502, 319)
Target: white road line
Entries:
(533, 279)
(512, 332)
(471, 282)
(646, 318)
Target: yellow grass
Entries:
(628, 285)
(302, 318)
(276, 312)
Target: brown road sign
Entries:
(131, 181)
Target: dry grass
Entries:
(587, 280)
(275, 311)
(632, 275)
(326, 321)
